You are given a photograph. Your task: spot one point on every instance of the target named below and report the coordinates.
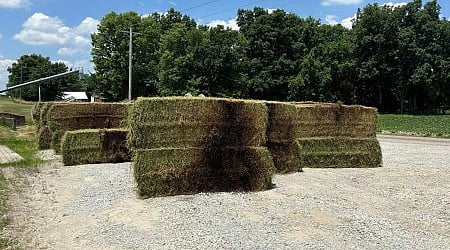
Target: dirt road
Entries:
(404, 205)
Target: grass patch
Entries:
(27, 148)
(420, 125)
(19, 107)
(24, 143)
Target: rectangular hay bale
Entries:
(177, 122)
(288, 121)
(94, 146)
(340, 153)
(174, 171)
(77, 116)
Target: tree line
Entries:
(394, 58)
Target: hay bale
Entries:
(286, 156)
(178, 122)
(340, 153)
(36, 112)
(174, 171)
(8, 122)
(288, 121)
(94, 146)
(77, 116)
(44, 138)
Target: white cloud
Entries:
(395, 5)
(14, 4)
(4, 64)
(227, 24)
(346, 22)
(41, 29)
(340, 2)
(331, 19)
(68, 51)
(87, 26)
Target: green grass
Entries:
(17, 107)
(23, 142)
(421, 125)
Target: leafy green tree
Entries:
(33, 67)
(111, 46)
(277, 43)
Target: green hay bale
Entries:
(94, 146)
(340, 153)
(177, 122)
(288, 121)
(286, 156)
(8, 122)
(36, 112)
(44, 137)
(163, 172)
(77, 116)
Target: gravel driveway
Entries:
(404, 205)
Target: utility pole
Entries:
(130, 61)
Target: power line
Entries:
(200, 5)
(227, 10)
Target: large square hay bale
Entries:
(289, 121)
(36, 112)
(76, 116)
(44, 137)
(174, 171)
(340, 153)
(286, 156)
(177, 122)
(94, 146)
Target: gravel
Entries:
(404, 205)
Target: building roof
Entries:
(74, 95)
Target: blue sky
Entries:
(60, 29)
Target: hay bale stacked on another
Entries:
(281, 136)
(323, 127)
(94, 146)
(44, 134)
(338, 136)
(190, 145)
(76, 116)
(36, 112)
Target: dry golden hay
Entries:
(94, 146)
(288, 121)
(177, 122)
(76, 116)
(286, 156)
(174, 171)
(340, 153)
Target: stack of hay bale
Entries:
(39, 114)
(78, 116)
(336, 135)
(102, 142)
(190, 145)
(318, 135)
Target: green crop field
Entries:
(420, 125)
